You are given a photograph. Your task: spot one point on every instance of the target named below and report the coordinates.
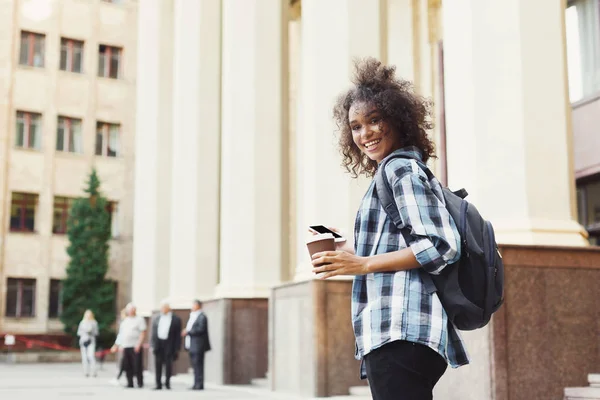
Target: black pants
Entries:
(404, 370)
(133, 363)
(121, 367)
(163, 356)
(197, 361)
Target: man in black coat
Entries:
(165, 343)
(197, 342)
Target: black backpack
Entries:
(472, 288)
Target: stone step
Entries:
(594, 380)
(260, 382)
(360, 391)
(582, 393)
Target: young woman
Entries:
(402, 332)
(87, 332)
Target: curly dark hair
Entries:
(409, 114)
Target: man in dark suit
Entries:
(197, 342)
(165, 343)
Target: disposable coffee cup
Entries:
(320, 242)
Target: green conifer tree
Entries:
(89, 231)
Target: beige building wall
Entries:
(46, 172)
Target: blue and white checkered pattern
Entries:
(391, 306)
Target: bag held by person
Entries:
(472, 288)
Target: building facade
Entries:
(583, 49)
(236, 156)
(67, 95)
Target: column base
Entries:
(312, 342)
(238, 330)
(241, 292)
(304, 273)
(180, 303)
(544, 338)
(541, 232)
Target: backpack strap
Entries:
(386, 194)
(386, 197)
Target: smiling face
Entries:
(371, 133)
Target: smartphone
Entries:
(323, 229)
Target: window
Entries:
(20, 297)
(62, 207)
(68, 135)
(71, 55)
(583, 48)
(113, 210)
(22, 212)
(29, 130)
(588, 201)
(32, 49)
(109, 61)
(107, 139)
(55, 301)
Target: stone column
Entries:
(401, 37)
(254, 108)
(507, 116)
(312, 317)
(194, 238)
(150, 275)
(331, 38)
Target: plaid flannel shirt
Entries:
(389, 306)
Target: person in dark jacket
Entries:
(197, 342)
(165, 343)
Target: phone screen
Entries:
(322, 229)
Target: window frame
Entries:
(31, 39)
(112, 207)
(51, 314)
(108, 54)
(105, 128)
(22, 210)
(70, 54)
(67, 127)
(28, 117)
(593, 229)
(19, 300)
(65, 205)
(589, 43)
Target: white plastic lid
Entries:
(320, 236)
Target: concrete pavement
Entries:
(66, 381)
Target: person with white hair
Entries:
(165, 342)
(87, 332)
(132, 333)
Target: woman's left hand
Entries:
(338, 263)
